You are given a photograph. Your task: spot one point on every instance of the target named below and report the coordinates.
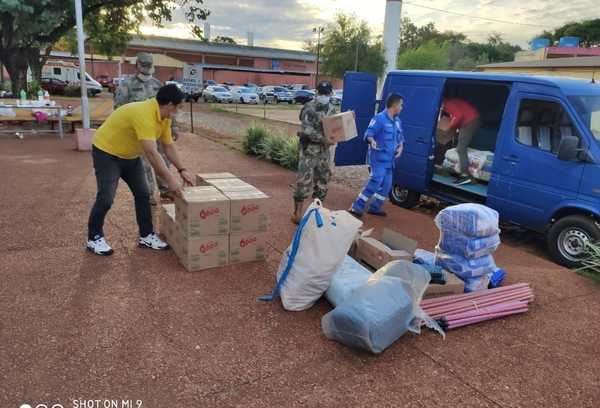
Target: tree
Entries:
(412, 37)
(428, 48)
(430, 55)
(587, 30)
(30, 26)
(348, 44)
(107, 33)
(224, 40)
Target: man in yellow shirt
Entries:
(129, 132)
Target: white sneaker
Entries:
(99, 246)
(153, 241)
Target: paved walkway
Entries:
(137, 326)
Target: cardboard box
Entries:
(231, 184)
(453, 286)
(203, 211)
(247, 247)
(393, 246)
(249, 210)
(340, 127)
(167, 222)
(203, 253)
(197, 253)
(203, 179)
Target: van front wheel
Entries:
(568, 237)
(404, 198)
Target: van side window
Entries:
(542, 124)
(57, 71)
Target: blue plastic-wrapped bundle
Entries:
(466, 268)
(472, 220)
(349, 276)
(452, 242)
(381, 310)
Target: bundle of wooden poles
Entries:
(456, 311)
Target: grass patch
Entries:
(277, 148)
(590, 265)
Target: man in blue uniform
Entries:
(386, 142)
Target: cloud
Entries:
(287, 23)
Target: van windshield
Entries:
(588, 108)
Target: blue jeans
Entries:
(109, 169)
(378, 187)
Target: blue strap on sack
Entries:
(292, 256)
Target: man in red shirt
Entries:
(464, 118)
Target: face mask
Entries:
(323, 99)
(144, 77)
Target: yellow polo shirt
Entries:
(121, 132)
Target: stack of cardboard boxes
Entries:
(223, 220)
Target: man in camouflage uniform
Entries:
(140, 87)
(314, 169)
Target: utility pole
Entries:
(85, 107)
(356, 55)
(318, 30)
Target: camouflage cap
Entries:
(145, 63)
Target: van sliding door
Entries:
(422, 98)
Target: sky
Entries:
(288, 23)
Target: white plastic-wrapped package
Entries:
(377, 313)
(466, 268)
(452, 242)
(480, 162)
(346, 278)
(320, 244)
(424, 256)
(478, 283)
(472, 220)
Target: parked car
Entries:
(209, 82)
(242, 94)
(188, 96)
(104, 80)
(303, 96)
(336, 97)
(300, 87)
(53, 86)
(538, 143)
(216, 94)
(277, 94)
(69, 73)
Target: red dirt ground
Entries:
(137, 326)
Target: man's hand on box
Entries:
(187, 177)
(174, 187)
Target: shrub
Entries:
(253, 142)
(288, 156)
(32, 89)
(280, 149)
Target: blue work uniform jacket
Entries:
(388, 135)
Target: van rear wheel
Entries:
(568, 237)
(404, 198)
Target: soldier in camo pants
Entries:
(140, 87)
(314, 169)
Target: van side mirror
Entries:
(567, 150)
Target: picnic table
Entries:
(99, 111)
(25, 113)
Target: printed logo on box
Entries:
(204, 248)
(247, 209)
(204, 214)
(245, 242)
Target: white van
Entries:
(69, 73)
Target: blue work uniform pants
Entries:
(378, 187)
